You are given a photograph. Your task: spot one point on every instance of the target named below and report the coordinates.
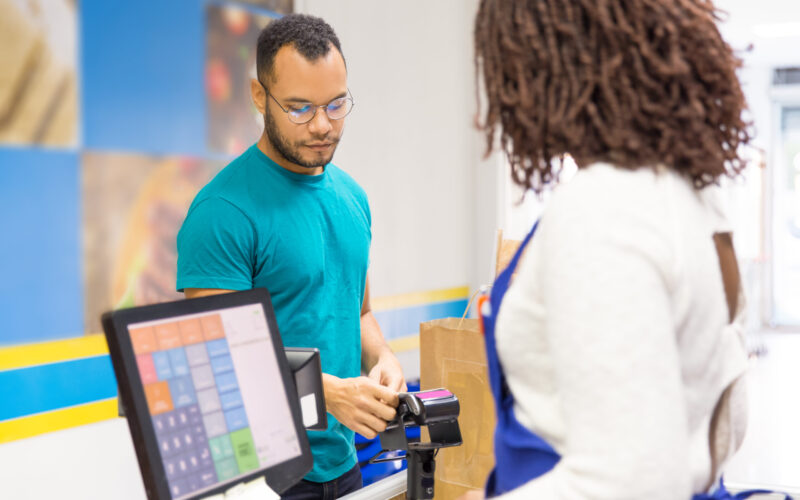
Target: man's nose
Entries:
(320, 125)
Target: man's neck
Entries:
(266, 147)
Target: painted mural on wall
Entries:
(131, 204)
(134, 206)
(38, 77)
(277, 6)
(231, 38)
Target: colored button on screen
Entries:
(143, 340)
(217, 347)
(245, 450)
(147, 370)
(212, 327)
(158, 397)
(177, 358)
(168, 336)
(182, 391)
(163, 367)
(191, 331)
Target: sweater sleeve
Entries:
(603, 275)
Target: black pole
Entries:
(421, 466)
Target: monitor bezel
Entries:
(279, 477)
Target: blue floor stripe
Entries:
(396, 323)
(36, 389)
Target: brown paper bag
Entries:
(453, 356)
(505, 252)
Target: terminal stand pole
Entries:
(421, 466)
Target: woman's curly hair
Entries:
(629, 82)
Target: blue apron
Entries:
(521, 455)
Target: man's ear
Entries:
(258, 95)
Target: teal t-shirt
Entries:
(305, 239)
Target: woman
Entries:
(617, 356)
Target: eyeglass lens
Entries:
(336, 110)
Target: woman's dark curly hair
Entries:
(629, 82)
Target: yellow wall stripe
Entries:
(25, 427)
(21, 356)
(405, 343)
(95, 345)
(419, 298)
(52, 352)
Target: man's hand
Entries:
(388, 372)
(360, 404)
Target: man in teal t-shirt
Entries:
(282, 217)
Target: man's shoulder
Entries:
(344, 181)
(231, 175)
(230, 184)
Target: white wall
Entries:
(410, 140)
(411, 144)
(758, 30)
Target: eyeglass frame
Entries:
(288, 116)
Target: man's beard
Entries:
(292, 151)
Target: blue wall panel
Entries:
(401, 322)
(41, 295)
(27, 391)
(143, 78)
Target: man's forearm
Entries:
(373, 345)
(330, 387)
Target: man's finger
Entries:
(387, 395)
(364, 431)
(374, 423)
(361, 424)
(367, 424)
(379, 409)
(397, 383)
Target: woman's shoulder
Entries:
(605, 181)
(602, 191)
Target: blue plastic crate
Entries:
(368, 448)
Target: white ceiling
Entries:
(748, 21)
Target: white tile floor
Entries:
(770, 454)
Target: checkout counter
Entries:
(103, 460)
(214, 407)
(98, 462)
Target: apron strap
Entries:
(497, 379)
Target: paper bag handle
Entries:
(481, 289)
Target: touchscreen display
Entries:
(215, 397)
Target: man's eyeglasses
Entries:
(305, 112)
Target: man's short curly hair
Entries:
(309, 35)
(629, 82)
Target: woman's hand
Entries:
(473, 495)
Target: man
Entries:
(281, 216)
